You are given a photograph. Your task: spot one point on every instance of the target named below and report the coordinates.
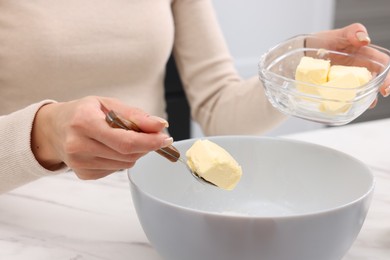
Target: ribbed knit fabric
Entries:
(63, 50)
(17, 163)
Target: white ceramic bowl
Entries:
(277, 72)
(295, 201)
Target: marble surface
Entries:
(62, 217)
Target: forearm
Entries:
(18, 164)
(221, 102)
(241, 108)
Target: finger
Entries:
(146, 122)
(126, 142)
(94, 126)
(373, 103)
(385, 88)
(373, 59)
(356, 34)
(97, 163)
(93, 148)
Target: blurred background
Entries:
(251, 27)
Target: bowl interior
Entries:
(280, 178)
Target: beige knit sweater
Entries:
(63, 50)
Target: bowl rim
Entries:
(367, 194)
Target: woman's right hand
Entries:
(76, 134)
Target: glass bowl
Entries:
(277, 69)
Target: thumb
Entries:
(144, 121)
(356, 34)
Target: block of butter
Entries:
(313, 71)
(342, 90)
(214, 164)
(361, 73)
(340, 82)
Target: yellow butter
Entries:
(338, 92)
(313, 71)
(361, 73)
(214, 164)
(340, 82)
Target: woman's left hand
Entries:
(355, 36)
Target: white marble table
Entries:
(62, 217)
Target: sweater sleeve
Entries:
(221, 102)
(18, 165)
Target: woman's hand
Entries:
(76, 134)
(353, 37)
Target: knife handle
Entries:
(116, 121)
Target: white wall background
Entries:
(251, 27)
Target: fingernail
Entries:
(162, 120)
(363, 37)
(167, 142)
(387, 91)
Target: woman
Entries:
(64, 63)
